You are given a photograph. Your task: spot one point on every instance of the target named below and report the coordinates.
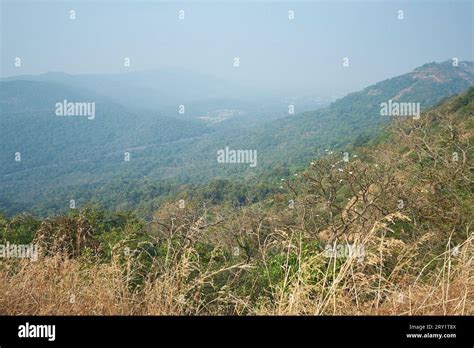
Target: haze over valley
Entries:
(236, 158)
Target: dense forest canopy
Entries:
(130, 158)
(387, 229)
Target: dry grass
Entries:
(182, 262)
(57, 285)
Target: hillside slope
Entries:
(388, 231)
(64, 159)
(354, 118)
(69, 152)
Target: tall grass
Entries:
(311, 283)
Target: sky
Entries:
(300, 55)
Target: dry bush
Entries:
(63, 286)
(416, 256)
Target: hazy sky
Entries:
(301, 55)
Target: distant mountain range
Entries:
(150, 89)
(136, 113)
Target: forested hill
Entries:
(76, 158)
(385, 232)
(354, 119)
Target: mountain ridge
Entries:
(173, 151)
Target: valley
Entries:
(58, 156)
